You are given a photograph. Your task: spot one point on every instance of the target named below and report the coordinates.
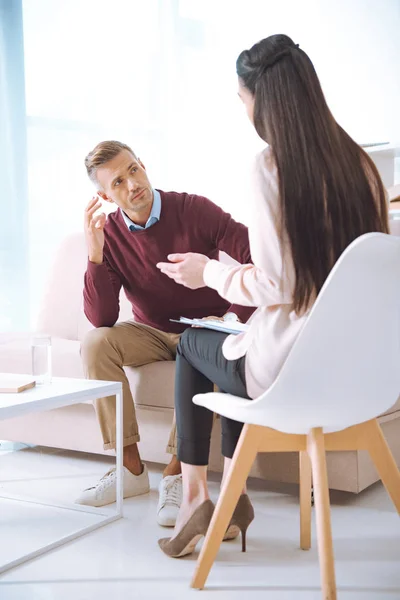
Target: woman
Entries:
(315, 191)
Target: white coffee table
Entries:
(63, 392)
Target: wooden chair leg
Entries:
(305, 500)
(316, 450)
(243, 459)
(384, 461)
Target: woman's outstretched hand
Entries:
(186, 269)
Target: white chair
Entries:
(342, 372)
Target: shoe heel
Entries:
(241, 519)
(243, 532)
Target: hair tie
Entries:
(276, 58)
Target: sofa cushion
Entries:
(63, 296)
(15, 356)
(61, 313)
(153, 385)
(394, 408)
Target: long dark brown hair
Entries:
(330, 190)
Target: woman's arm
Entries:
(270, 280)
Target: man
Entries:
(123, 251)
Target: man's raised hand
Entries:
(94, 231)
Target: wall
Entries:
(160, 76)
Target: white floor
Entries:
(123, 561)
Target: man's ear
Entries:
(104, 196)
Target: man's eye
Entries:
(134, 169)
(117, 182)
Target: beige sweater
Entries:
(267, 284)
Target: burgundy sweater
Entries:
(187, 223)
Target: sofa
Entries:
(75, 427)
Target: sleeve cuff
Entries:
(212, 273)
(94, 269)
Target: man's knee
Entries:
(95, 344)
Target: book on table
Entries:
(11, 383)
(232, 327)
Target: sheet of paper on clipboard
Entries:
(231, 327)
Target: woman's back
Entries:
(329, 189)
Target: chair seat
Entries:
(284, 418)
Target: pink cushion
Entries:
(62, 313)
(15, 356)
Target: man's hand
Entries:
(186, 269)
(94, 231)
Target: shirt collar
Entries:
(153, 218)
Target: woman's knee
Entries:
(186, 342)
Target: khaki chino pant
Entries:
(105, 351)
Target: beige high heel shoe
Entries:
(185, 542)
(241, 519)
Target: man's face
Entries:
(124, 180)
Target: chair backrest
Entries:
(61, 313)
(345, 365)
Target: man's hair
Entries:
(101, 154)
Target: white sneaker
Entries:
(170, 499)
(105, 491)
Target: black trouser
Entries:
(200, 364)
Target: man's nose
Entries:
(132, 185)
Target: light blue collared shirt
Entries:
(153, 218)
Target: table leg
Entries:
(119, 449)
